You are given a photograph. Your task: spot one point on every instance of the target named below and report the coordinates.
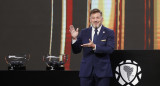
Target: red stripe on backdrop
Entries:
(153, 22)
(120, 35)
(68, 36)
(145, 23)
(149, 25)
(120, 24)
(115, 22)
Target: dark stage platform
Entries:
(39, 78)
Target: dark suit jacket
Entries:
(99, 59)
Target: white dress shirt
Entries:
(93, 32)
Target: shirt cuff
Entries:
(94, 47)
(74, 40)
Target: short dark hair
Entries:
(95, 11)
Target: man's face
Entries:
(96, 20)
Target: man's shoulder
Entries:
(107, 29)
(86, 29)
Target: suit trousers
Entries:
(93, 80)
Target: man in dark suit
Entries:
(97, 43)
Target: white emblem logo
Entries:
(128, 73)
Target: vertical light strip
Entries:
(101, 7)
(145, 23)
(118, 23)
(63, 28)
(149, 24)
(51, 34)
(115, 23)
(88, 11)
(123, 25)
(112, 15)
(119, 26)
(94, 4)
(156, 24)
(107, 10)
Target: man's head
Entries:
(96, 18)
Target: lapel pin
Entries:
(103, 31)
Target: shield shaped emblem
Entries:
(128, 72)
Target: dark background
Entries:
(25, 27)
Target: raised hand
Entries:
(90, 44)
(74, 33)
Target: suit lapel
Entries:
(89, 36)
(102, 31)
(90, 33)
